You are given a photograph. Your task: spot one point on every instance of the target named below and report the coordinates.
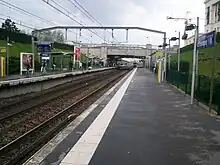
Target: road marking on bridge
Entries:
(83, 150)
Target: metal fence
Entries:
(202, 88)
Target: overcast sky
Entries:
(149, 14)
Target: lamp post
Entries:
(178, 66)
(174, 39)
(169, 55)
(165, 59)
(160, 46)
(195, 58)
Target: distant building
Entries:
(174, 49)
(212, 15)
(190, 40)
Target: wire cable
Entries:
(24, 11)
(19, 22)
(29, 27)
(87, 14)
(18, 9)
(69, 17)
(72, 15)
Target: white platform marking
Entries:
(83, 150)
(39, 156)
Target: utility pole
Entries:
(194, 62)
(33, 50)
(66, 35)
(127, 39)
(179, 54)
(197, 57)
(165, 60)
(169, 55)
(187, 20)
(7, 55)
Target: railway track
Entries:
(41, 129)
(22, 120)
(20, 105)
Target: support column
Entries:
(7, 56)
(169, 55)
(104, 53)
(66, 35)
(127, 39)
(194, 64)
(179, 55)
(197, 59)
(33, 51)
(104, 35)
(165, 55)
(126, 35)
(79, 60)
(112, 37)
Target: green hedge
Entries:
(16, 37)
(187, 48)
(63, 46)
(184, 66)
(26, 39)
(202, 91)
(14, 65)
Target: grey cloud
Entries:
(106, 11)
(146, 13)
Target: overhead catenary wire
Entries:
(72, 15)
(16, 8)
(18, 22)
(67, 15)
(29, 27)
(87, 14)
(24, 11)
(19, 9)
(23, 24)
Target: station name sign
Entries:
(207, 40)
(44, 47)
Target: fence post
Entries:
(178, 79)
(212, 82)
(198, 87)
(186, 82)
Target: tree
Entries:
(55, 36)
(83, 58)
(59, 36)
(45, 36)
(23, 31)
(9, 25)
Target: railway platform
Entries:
(137, 122)
(17, 79)
(21, 86)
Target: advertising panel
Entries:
(77, 54)
(26, 62)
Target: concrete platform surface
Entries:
(155, 125)
(143, 123)
(15, 80)
(36, 74)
